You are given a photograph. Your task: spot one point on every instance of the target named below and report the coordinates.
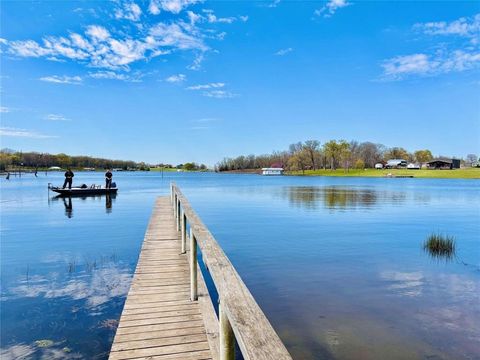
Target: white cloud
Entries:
(206, 86)
(176, 78)
(75, 80)
(423, 64)
(56, 117)
(408, 64)
(219, 94)
(111, 75)
(283, 52)
(173, 6)
(129, 11)
(213, 90)
(15, 132)
(97, 32)
(197, 62)
(331, 7)
(449, 56)
(118, 46)
(4, 109)
(466, 27)
(98, 48)
(211, 18)
(273, 4)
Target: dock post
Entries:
(179, 215)
(193, 267)
(175, 206)
(184, 233)
(227, 339)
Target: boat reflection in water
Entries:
(68, 202)
(338, 197)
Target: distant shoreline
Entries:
(464, 173)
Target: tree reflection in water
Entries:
(338, 198)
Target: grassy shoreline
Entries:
(466, 173)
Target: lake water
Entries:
(337, 264)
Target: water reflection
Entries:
(338, 198)
(68, 202)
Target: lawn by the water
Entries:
(467, 173)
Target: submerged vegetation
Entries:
(440, 246)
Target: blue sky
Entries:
(184, 80)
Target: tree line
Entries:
(10, 159)
(333, 154)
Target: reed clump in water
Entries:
(440, 246)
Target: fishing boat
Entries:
(84, 190)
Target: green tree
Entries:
(189, 166)
(359, 164)
(423, 156)
(298, 161)
(331, 150)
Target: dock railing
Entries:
(240, 317)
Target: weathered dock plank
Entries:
(159, 321)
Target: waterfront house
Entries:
(396, 163)
(442, 164)
(413, 166)
(272, 171)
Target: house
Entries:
(396, 163)
(442, 164)
(272, 171)
(378, 166)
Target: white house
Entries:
(272, 171)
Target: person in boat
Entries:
(68, 179)
(108, 179)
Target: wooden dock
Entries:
(158, 320)
(168, 313)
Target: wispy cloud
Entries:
(111, 75)
(208, 16)
(117, 46)
(15, 132)
(424, 64)
(466, 27)
(283, 52)
(213, 90)
(451, 56)
(173, 6)
(75, 80)
(128, 11)
(4, 109)
(274, 4)
(176, 78)
(215, 85)
(197, 62)
(219, 94)
(56, 117)
(331, 7)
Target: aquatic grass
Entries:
(440, 246)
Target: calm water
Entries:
(337, 264)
